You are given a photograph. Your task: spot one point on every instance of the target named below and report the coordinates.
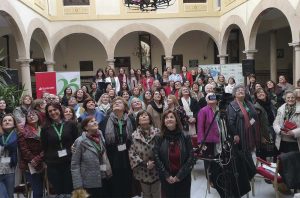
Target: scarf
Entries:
(249, 136)
(104, 107)
(11, 146)
(289, 111)
(94, 137)
(267, 107)
(156, 108)
(186, 105)
(31, 132)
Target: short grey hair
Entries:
(286, 92)
(235, 88)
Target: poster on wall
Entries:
(212, 69)
(228, 70)
(233, 70)
(45, 83)
(67, 79)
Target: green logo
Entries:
(66, 84)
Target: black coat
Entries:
(194, 106)
(161, 154)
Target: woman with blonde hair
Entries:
(104, 103)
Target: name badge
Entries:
(252, 121)
(122, 147)
(5, 160)
(62, 153)
(103, 167)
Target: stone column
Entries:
(25, 73)
(273, 56)
(50, 65)
(168, 61)
(296, 67)
(111, 62)
(223, 59)
(250, 53)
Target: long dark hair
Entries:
(140, 113)
(97, 76)
(55, 105)
(164, 128)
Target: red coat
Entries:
(189, 77)
(144, 83)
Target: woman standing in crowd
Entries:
(156, 75)
(275, 93)
(266, 115)
(174, 106)
(85, 90)
(123, 79)
(77, 108)
(57, 138)
(230, 85)
(118, 137)
(174, 157)
(87, 164)
(186, 75)
(39, 105)
(136, 93)
(132, 79)
(2, 108)
(288, 112)
(139, 75)
(104, 104)
(196, 93)
(69, 114)
(165, 77)
(221, 83)
(90, 110)
(147, 98)
(147, 81)
(21, 111)
(194, 75)
(111, 78)
(135, 107)
(8, 155)
(80, 96)
(242, 120)
(93, 87)
(250, 88)
(155, 108)
(125, 95)
(99, 77)
(201, 74)
(32, 155)
(67, 94)
(190, 107)
(141, 155)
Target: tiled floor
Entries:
(199, 186)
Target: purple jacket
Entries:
(205, 116)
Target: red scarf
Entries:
(94, 137)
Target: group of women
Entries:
(137, 135)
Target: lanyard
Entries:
(246, 107)
(6, 140)
(120, 123)
(97, 146)
(59, 133)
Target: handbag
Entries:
(288, 125)
(105, 167)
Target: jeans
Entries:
(36, 181)
(7, 184)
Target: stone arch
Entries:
(133, 28)
(213, 33)
(79, 29)
(226, 29)
(38, 31)
(17, 27)
(283, 7)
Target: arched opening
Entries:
(139, 50)
(194, 48)
(235, 45)
(80, 52)
(272, 33)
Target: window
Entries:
(194, 1)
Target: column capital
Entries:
(294, 44)
(24, 61)
(222, 55)
(168, 57)
(49, 62)
(250, 51)
(110, 60)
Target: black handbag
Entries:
(289, 169)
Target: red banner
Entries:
(45, 83)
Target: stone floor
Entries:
(199, 186)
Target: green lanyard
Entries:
(246, 107)
(59, 133)
(97, 146)
(6, 140)
(120, 123)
